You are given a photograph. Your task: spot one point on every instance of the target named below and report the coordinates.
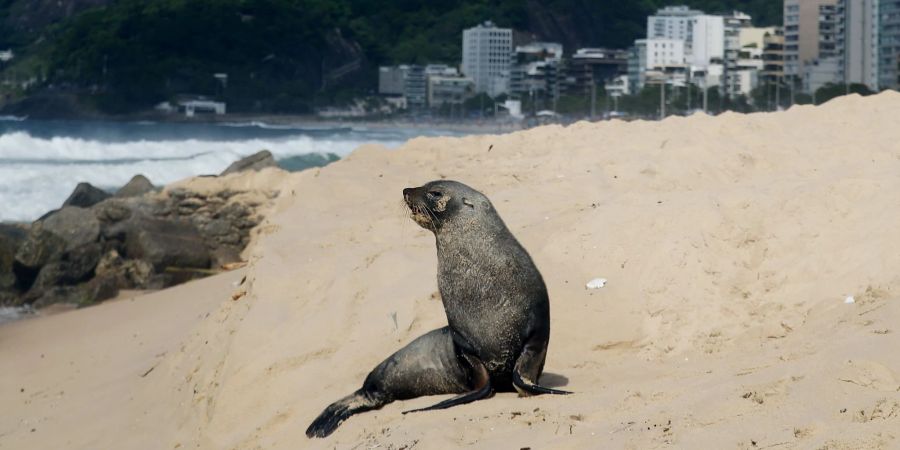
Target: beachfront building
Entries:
(410, 82)
(449, 90)
(745, 64)
(536, 70)
(415, 87)
(201, 105)
(662, 52)
(592, 66)
(801, 37)
(637, 65)
(618, 86)
(391, 79)
(441, 70)
(487, 57)
(6, 55)
(773, 57)
(707, 40)
(889, 44)
(828, 66)
(665, 58)
(858, 41)
(736, 76)
(703, 34)
(672, 22)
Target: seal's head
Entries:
(438, 203)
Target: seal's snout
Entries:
(406, 193)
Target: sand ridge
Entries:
(730, 244)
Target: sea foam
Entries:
(37, 173)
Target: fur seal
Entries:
(497, 307)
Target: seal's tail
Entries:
(339, 411)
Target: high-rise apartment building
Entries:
(707, 40)
(487, 57)
(801, 34)
(672, 22)
(703, 34)
(888, 44)
(858, 41)
(773, 57)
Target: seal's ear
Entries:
(468, 203)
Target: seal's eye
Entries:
(434, 195)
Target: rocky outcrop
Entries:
(76, 226)
(257, 161)
(11, 237)
(86, 195)
(166, 243)
(151, 240)
(137, 186)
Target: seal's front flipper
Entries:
(528, 388)
(482, 389)
(529, 367)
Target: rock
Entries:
(11, 237)
(73, 267)
(98, 290)
(166, 244)
(256, 161)
(137, 274)
(86, 195)
(218, 227)
(139, 185)
(129, 274)
(111, 211)
(40, 247)
(234, 211)
(224, 255)
(109, 264)
(52, 296)
(9, 299)
(76, 226)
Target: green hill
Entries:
(119, 56)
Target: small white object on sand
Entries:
(596, 283)
(849, 300)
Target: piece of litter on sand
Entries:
(849, 300)
(596, 283)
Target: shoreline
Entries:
(306, 121)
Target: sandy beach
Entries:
(753, 299)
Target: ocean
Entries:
(41, 161)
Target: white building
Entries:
(672, 22)
(618, 86)
(535, 69)
(441, 70)
(192, 107)
(658, 55)
(662, 53)
(6, 55)
(707, 40)
(487, 57)
(859, 41)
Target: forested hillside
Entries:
(285, 55)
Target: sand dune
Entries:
(730, 244)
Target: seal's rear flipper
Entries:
(339, 411)
(482, 388)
